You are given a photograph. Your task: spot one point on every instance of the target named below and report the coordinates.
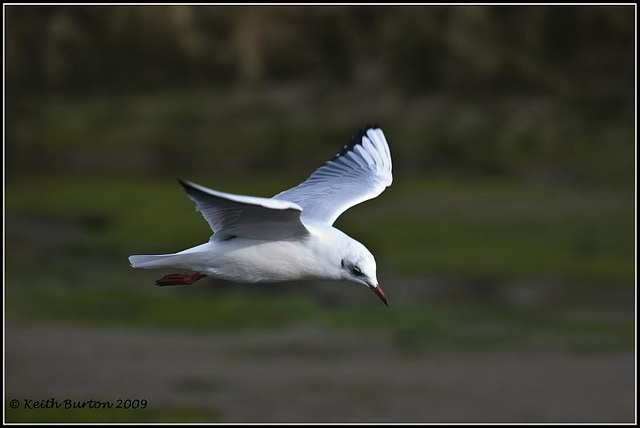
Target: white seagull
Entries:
(289, 236)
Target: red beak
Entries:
(380, 293)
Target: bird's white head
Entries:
(358, 265)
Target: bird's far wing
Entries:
(246, 216)
(361, 171)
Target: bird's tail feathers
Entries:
(150, 261)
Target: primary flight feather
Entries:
(289, 236)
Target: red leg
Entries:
(179, 279)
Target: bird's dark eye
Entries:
(356, 271)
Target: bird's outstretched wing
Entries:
(246, 216)
(361, 171)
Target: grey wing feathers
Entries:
(246, 216)
(361, 171)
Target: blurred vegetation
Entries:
(512, 133)
(480, 229)
(570, 50)
(474, 326)
(516, 91)
(510, 222)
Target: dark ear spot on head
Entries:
(342, 263)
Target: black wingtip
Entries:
(183, 183)
(191, 189)
(188, 187)
(356, 139)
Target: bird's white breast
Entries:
(246, 260)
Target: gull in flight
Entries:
(289, 236)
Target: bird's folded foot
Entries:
(179, 279)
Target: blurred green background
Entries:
(505, 244)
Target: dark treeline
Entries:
(413, 48)
(544, 91)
